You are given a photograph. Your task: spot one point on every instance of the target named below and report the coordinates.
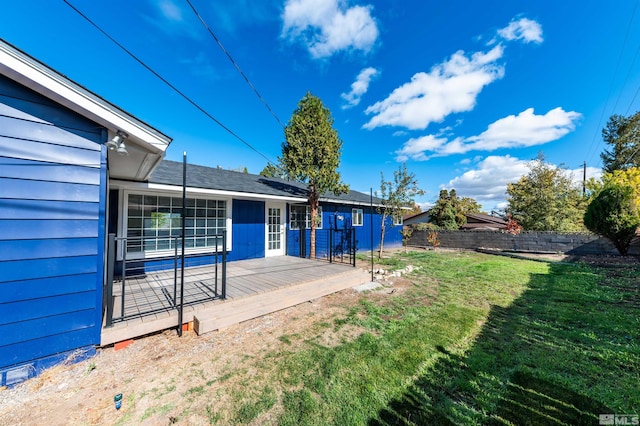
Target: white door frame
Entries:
(280, 235)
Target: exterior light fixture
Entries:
(117, 143)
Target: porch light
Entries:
(117, 143)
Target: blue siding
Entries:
(248, 231)
(14, 291)
(331, 214)
(52, 216)
(44, 249)
(48, 210)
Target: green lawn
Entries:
(477, 339)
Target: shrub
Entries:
(613, 213)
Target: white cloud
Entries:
(522, 130)
(522, 29)
(415, 148)
(329, 26)
(525, 129)
(449, 87)
(359, 87)
(578, 174)
(170, 11)
(169, 18)
(487, 182)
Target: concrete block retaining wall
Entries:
(530, 241)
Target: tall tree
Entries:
(396, 197)
(450, 212)
(614, 214)
(622, 134)
(546, 199)
(311, 154)
(444, 213)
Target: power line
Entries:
(235, 64)
(627, 77)
(632, 101)
(165, 81)
(615, 73)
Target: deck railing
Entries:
(137, 286)
(332, 245)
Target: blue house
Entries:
(75, 168)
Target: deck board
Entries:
(256, 287)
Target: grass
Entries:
(477, 340)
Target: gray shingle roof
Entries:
(170, 173)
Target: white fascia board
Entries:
(347, 202)
(190, 190)
(33, 74)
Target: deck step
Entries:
(231, 312)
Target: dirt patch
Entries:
(164, 378)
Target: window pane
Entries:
(134, 222)
(158, 218)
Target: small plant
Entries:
(91, 367)
(406, 233)
(432, 238)
(513, 227)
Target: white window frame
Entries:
(124, 220)
(357, 213)
(397, 221)
(307, 219)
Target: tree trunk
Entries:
(313, 206)
(381, 237)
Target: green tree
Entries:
(622, 134)
(469, 205)
(274, 171)
(450, 212)
(311, 154)
(443, 214)
(546, 199)
(613, 213)
(396, 197)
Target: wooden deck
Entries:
(254, 287)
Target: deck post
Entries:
(108, 294)
(124, 274)
(184, 225)
(175, 271)
(353, 246)
(224, 264)
(330, 245)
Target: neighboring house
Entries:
(475, 221)
(422, 217)
(484, 222)
(62, 191)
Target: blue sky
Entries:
(464, 92)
